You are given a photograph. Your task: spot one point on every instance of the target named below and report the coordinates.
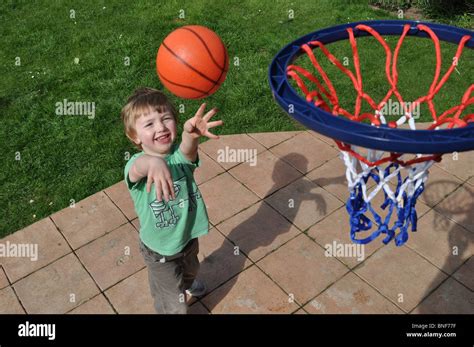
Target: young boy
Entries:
(167, 200)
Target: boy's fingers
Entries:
(200, 111)
(170, 184)
(189, 126)
(158, 190)
(149, 181)
(211, 135)
(214, 124)
(166, 190)
(210, 114)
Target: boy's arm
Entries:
(189, 146)
(139, 168)
(156, 170)
(196, 127)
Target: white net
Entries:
(400, 184)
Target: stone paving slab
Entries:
(251, 292)
(96, 305)
(303, 203)
(458, 164)
(222, 206)
(255, 175)
(459, 206)
(272, 139)
(112, 257)
(132, 295)
(465, 274)
(471, 181)
(41, 238)
(443, 242)
(221, 151)
(450, 298)
(258, 230)
(332, 177)
(207, 169)
(3, 279)
(9, 303)
(118, 193)
(136, 224)
(89, 219)
(220, 260)
(299, 152)
(323, 138)
(401, 275)
(333, 231)
(56, 288)
(439, 185)
(301, 268)
(351, 295)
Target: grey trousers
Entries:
(170, 276)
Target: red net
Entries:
(324, 94)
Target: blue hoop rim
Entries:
(361, 134)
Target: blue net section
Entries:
(403, 207)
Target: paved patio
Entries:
(265, 252)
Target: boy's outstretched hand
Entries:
(199, 125)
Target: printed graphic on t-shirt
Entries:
(167, 214)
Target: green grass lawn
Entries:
(72, 157)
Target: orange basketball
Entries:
(192, 62)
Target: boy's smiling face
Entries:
(156, 132)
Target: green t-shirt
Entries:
(166, 227)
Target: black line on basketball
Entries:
(188, 65)
(181, 85)
(222, 71)
(205, 46)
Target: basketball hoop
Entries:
(378, 151)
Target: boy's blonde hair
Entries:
(141, 102)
